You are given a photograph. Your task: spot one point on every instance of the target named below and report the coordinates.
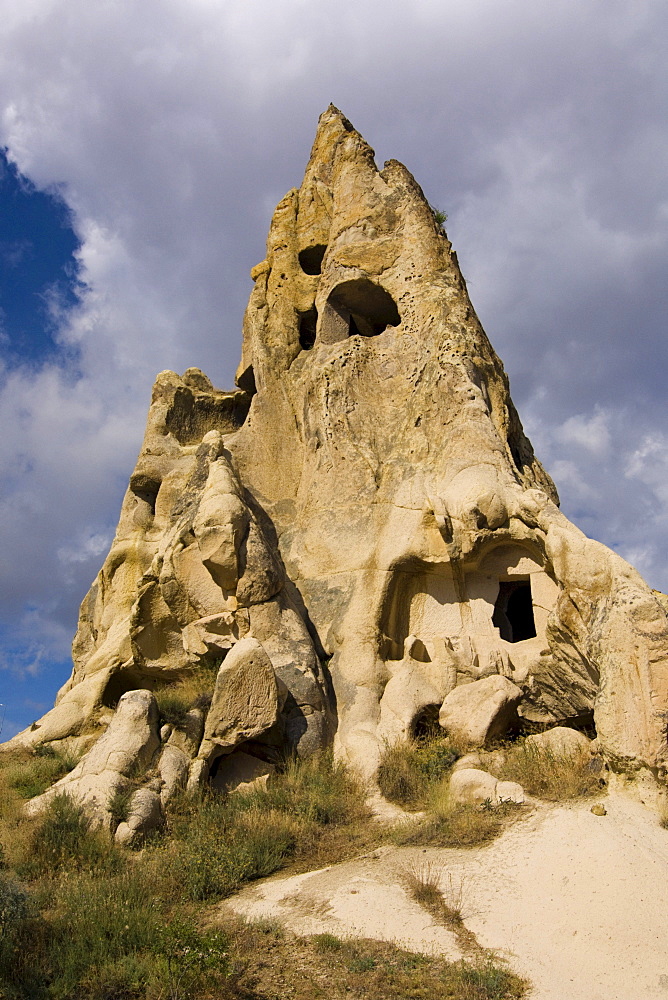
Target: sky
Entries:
(145, 147)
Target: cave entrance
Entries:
(310, 258)
(308, 322)
(513, 611)
(425, 724)
(358, 307)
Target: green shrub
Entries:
(317, 790)
(127, 977)
(191, 956)
(408, 769)
(104, 931)
(399, 776)
(217, 849)
(119, 803)
(327, 942)
(13, 909)
(484, 980)
(63, 838)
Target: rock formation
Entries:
(360, 530)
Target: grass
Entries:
(194, 690)
(408, 770)
(325, 966)
(119, 803)
(548, 775)
(221, 842)
(416, 776)
(33, 776)
(81, 917)
(444, 903)
(62, 839)
(423, 883)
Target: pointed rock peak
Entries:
(368, 496)
(332, 113)
(333, 130)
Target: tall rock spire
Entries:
(363, 520)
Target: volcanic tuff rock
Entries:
(364, 513)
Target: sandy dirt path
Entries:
(575, 902)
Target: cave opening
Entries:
(145, 489)
(513, 611)
(358, 307)
(246, 380)
(310, 258)
(121, 682)
(425, 725)
(308, 322)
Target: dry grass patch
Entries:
(549, 775)
(408, 769)
(193, 690)
(333, 968)
(443, 899)
(449, 824)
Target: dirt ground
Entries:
(577, 903)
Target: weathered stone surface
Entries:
(126, 748)
(245, 699)
(560, 741)
(509, 791)
(241, 772)
(367, 507)
(480, 711)
(144, 815)
(473, 786)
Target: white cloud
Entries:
(590, 433)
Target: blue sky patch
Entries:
(38, 267)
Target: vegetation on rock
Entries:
(82, 917)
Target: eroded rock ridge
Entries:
(359, 536)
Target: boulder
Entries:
(509, 791)
(480, 711)
(560, 742)
(126, 749)
(245, 699)
(240, 772)
(471, 786)
(144, 816)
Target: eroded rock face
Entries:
(479, 712)
(366, 499)
(128, 747)
(245, 700)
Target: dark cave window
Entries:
(246, 381)
(145, 489)
(119, 683)
(308, 323)
(310, 259)
(425, 723)
(358, 307)
(513, 611)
